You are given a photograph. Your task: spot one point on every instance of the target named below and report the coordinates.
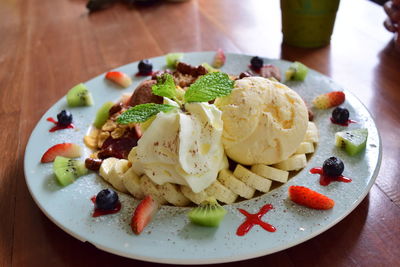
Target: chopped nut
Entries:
(90, 140)
(109, 126)
(118, 132)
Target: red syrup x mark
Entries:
(253, 219)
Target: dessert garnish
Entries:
(68, 150)
(204, 89)
(296, 72)
(331, 171)
(219, 59)
(64, 121)
(208, 213)
(79, 95)
(106, 202)
(102, 114)
(67, 170)
(329, 100)
(353, 142)
(145, 68)
(255, 219)
(172, 59)
(306, 197)
(340, 116)
(256, 63)
(119, 78)
(143, 214)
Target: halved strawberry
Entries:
(119, 78)
(309, 198)
(143, 214)
(219, 59)
(68, 150)
(329, 100)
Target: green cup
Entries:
(308, 23)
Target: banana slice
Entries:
(271, 173)
(293, 163)
(221, 193)
(194, 197)
(117, 173)
(106, 166)
(172, 193)
(226, 178)
(150, 188)
(251, 179)
(132, 183)
(132, 154)
(311, 133)
(305, 148)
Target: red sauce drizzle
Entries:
(59, 127)
(98, 212)
(326, 180)
(343, 124)
(139, 74)
(253, 219)
(254, 69)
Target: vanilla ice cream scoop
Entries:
(264, 121)
(183, 147)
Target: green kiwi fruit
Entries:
(296, 72)
(102, 114)
(67, 170)
(208, 213)
(353, 142)
(79, 95)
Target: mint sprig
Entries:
(142, 113)
(209, 87)
(165, 86)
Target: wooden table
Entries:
(48, 46)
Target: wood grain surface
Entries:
(48, 46)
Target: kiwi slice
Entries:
(172, 59)
(208, 213)
(67, 170)
(79, 95)
(297, 72)
(352, 141)
(102, 114)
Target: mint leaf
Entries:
(209, 87)
(165, 86)
(142, 113)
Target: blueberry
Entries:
(106, 199)
(340, 115)
(333, 167)
(256, 63)
(64, 118)
(145, 66)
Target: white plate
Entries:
(170, 238)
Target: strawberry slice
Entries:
(143, 214)
(329, 100)
(219, 59)
(309, 198)
(119, 78)
(68, 150)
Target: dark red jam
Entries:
(58, 126)
(326, 180)
(343, 124)
(140, 74)
(253, 219)
(98, 212)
